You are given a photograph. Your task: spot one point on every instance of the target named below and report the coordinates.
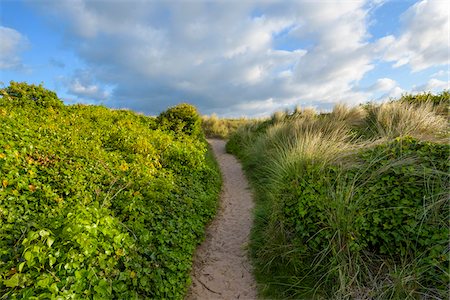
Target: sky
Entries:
(233, 58)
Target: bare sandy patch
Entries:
(222, 269)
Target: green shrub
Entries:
(182, 118)
(96, 204)
(404, 202)
(21, 93)
(435, 99)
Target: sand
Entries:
(222, 269)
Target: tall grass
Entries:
(354, 116)
(394, 119)
(315, 177)
(215, 127)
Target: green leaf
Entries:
(44, 233)
(28, 256)
(51, 260)
(78, 275)
(54, 288)
(50, 241)
(21, 265)
(13, 281)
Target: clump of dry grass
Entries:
(398, 119)
(307, 112)
(215, 127)
(353, 116)
(308, 138)
(278, 116)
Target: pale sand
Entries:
(221, 265)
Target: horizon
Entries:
(235, 59)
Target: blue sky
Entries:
(233, 58)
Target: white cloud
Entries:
(83, 86)
(424, 41)
(12, 43)
(395, 93)
(383, 85)
(433, 85)
(441, 73)
(258, 107)
(222, 55)
(385, 89)
(87, 91)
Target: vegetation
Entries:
(181, 119)
(439, 101)
(351, 204)
(98, 203)
(221, 128)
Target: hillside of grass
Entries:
(352, 204)
(98, 203)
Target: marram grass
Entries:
(351, 204)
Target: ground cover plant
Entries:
(98, 203)
(352, 204)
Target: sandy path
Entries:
(221, 266)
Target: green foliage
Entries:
(21, 93)
(245, 136)
(441, 101)
(436, 99)
(395, 210)
(182, 118)
(345, 214)
(98, 203)
(403, 203)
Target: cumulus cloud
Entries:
(221, 54)
(441, 73)
(383, 85)
(12, 43)
(83, 86)
(433, 85)
(424, 41)
(87, 91)
(385, 88)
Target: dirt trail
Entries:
(221, 266)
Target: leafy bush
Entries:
(440, 101)
(21, 93)
(182, 118)
(99, 204)
(404, 202)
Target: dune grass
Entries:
(351, 204)
(215, 127)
